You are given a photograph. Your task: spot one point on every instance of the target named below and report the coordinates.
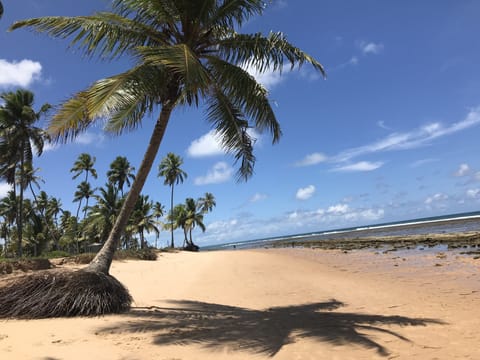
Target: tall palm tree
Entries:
(158, 212)
(17, 134)
(186, 52)
(121, 173)
(170, 169)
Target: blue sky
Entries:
(391, 134)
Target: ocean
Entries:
(445, 224)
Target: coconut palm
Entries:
(185, 52)
(206, 203)
(84, 164)
(194, 218)
(170, 169)
(17, 134)
(142, 219)
(84, 191)
(158, 212)
(121, 173)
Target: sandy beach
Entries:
(274, 304)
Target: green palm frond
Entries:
(183, 63)
(232, 13)
(107, 35)
(247, 94)
(265, 52)
(231, 127)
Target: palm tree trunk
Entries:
(103, 260)
(172, 245)
(20, 208)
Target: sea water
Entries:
(446, 224)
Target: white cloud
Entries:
(359, 166)
(370, 48)
(258, 197)
(473, 193)
(305, 193)
(381, 124)
(339, 209)
(267, 78)
(421, 162)
(89, 138)
(206, 145)
(221, 172)
(312, 159)
(210, 144)
(463, 170)
(436, 198)
(4, 189)
(412, 139)
(21, 73)
(353, 60)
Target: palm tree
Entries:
(17, 134)
(158, 212)
(185, 52)
(84, 191)
(207, 203)
(169, 168)
(84, 163)
(142, 219)
(121, 173)
(8, 210)
(194, 218)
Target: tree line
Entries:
(33, 222)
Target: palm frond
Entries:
(183, 64)
(106, 35)
(246, 93)
(235, 12)
(265, 52)
(230, 125)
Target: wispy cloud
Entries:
(409, 140)
(422, 162)
(370, 47)
(359, 166)
(305, 193)
(312, 159)
(220, 173)
(257, 197)
(438, 197)
(21, 73)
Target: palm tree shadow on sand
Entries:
(266, 331)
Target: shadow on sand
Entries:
(260, 331)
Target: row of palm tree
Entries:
(45, 232)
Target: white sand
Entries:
(273, 304)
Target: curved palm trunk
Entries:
(103, 260)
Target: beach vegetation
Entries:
(185, 53)
(170, 169)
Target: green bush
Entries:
(56, 254)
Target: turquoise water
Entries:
(446, 224)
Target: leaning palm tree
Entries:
(185, 52)
(206, 203)
(170, 169)
(17, 134)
